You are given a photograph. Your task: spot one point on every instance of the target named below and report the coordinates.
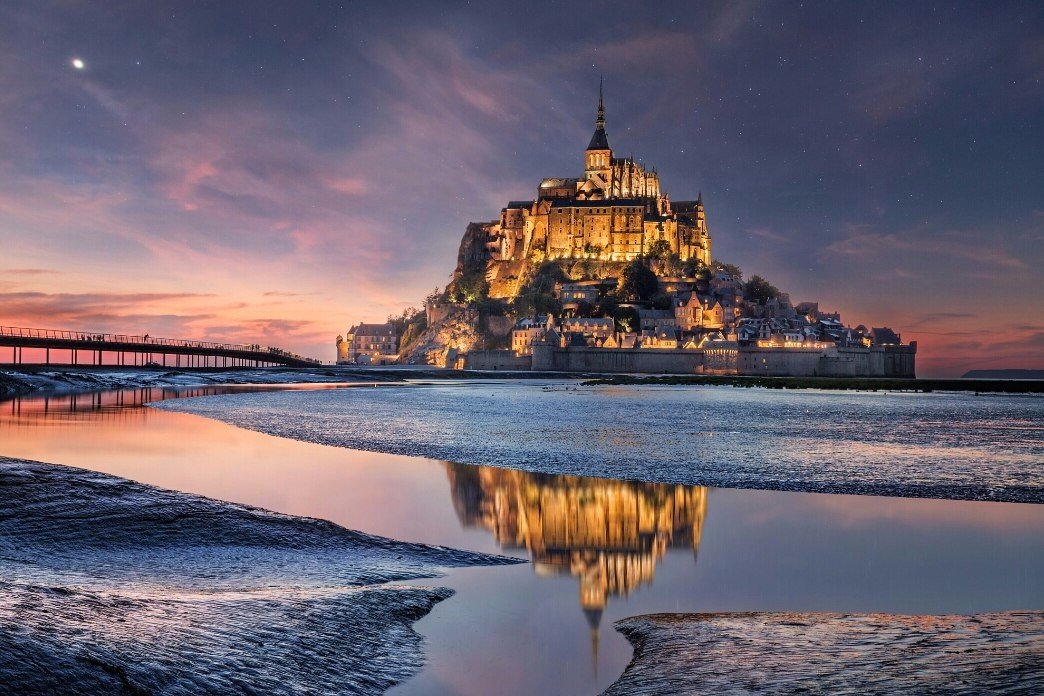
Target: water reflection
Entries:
(608, 534)
(765, 551)
(123, 403)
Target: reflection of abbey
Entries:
(609, 534)
(615, 211)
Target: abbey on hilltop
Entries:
(605, 273)
(615, 212)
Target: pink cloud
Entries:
(865, 243)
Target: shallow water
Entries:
(940, 445)
(111, 586)
(602, 549)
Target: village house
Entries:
(572, 294)
(369, 344)
(528, 331)
(695, 313)
(663, 338)
(656, 319)
(599, 328)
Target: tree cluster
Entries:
(759, 290)
(470, 287)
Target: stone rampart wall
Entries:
(879, 361)
(497, 360)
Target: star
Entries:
(78, 63)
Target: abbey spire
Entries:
(599, 156)
(600, 141)
(600, 121)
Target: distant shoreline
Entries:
(832, 383)
(1004, 374)
(40, 379)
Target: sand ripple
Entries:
(832, 653)
(109, 586)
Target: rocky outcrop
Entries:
(472, 255)
(458, 331)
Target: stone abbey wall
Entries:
(497, 360)
(642, 360)
(880, 361)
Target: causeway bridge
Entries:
(54, 347)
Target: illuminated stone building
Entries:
(609, 534)
(369, 344)
(616, 211)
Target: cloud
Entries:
(732, 18)
(333, 185)
(768, 234)
(38, 308)
(864, 243)
(891, 93)
(935, 317)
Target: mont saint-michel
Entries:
(605, 272)
(651, 425)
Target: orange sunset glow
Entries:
(278, 182)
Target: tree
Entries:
(627, 319)
(408, 316)
(607, 305)
(732, 269)
(759, 290)
(583, 269)
(662, 301)
(637, 283)
(523, 306)
(492, 307)
(436, 296)
(584, 309)
(693, 266)
(673, 265)
(471, 287)
(660, 250)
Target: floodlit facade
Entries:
(616, 211)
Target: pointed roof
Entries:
(599, 141)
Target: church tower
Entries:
(598, 158)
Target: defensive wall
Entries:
(878, 361)
(496, 360)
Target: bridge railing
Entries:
(145, 340)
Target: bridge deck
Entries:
(19, 338)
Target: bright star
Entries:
(78, 63)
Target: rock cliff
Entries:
(459, 330)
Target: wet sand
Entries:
(547, 627)
(831, 653)
(110, 586)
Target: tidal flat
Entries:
(948, 445)
(833, 653)
(111, 586)
(602, 549)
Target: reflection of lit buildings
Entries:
(610, 534)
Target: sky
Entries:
(273, 172)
